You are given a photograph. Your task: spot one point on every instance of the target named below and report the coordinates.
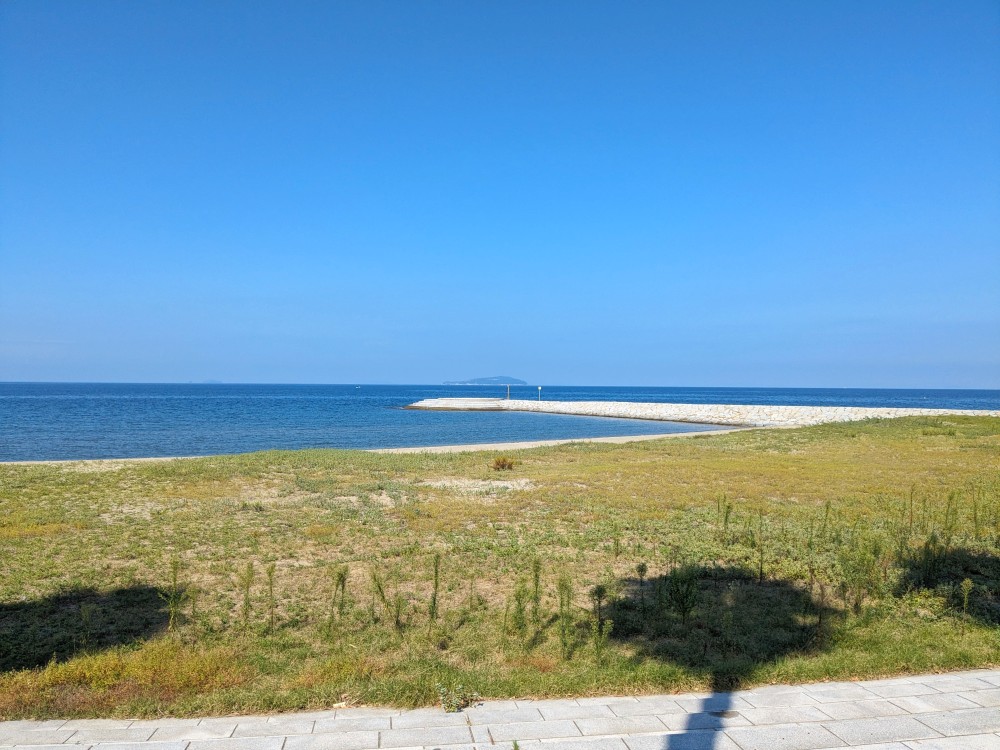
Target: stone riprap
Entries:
(722, 414)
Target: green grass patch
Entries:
(302, 579)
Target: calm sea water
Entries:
(45, 421)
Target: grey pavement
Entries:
(955, 711)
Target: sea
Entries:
(68, 421)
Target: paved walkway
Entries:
(958, 711)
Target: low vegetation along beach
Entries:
(305, 579)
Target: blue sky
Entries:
(641, 193)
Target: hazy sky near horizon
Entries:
(641, 193)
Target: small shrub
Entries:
(271, 602)
(433, 609)
(565, 588)
(174, 596)
(966, 589)
(245, 583)
(503, 463)
(682, 590)
(455, 699)
(536, 590)
(518, 616)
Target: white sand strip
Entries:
(541, 443)
(722, 414)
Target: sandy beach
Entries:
(541, 443)
(109, 464)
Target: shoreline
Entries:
(527, 444)
(462, 448)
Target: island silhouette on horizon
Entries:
(495, 380)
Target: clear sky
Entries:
(623, 193)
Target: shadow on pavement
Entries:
(719, 622)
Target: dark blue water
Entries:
(46, 421)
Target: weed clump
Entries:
(454, 699)
(503, 463)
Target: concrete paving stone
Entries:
(890, 681)
(364, 712)
(902, 690)
(269, 728)
(785, 737)
(198, 732)
(97, 724)
(969, 721)
(697, 740)
(423, 736)
(992, 677)
(94, 735)
(366, 724)
(589, 743)
(506, 716)
(862, 709)
(685, 722)
(480, 733)
(32, 724)
(157, 723)
(617, 725)
(534, 730)
(51, 747)
(844, 693)
(784, 715)
(715, 702)
(333, 741)
(947, 683)
(607, 701)
(178, 745)
(540, 704)
(239, 743)
(579, 712)
(829, 685)
(989, 697)
(34, 736)
(884, 729)
(882, 746)
(427, 718)
(222, 721)
(493, 706)
(968, 742)
(583, 743)
(304, 715)
(982, 674)
(648, 707)
(926, 704)
(776, 699)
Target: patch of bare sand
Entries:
(480, 486)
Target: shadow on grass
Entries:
(937, 567)
(76, 621)
(721, 623)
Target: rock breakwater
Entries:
(722, 414)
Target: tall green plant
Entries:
(565, 591)
(245, 583)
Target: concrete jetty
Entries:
(745, 415)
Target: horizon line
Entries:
(493, 385)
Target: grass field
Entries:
(289, 580)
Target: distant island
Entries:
(495, 380)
